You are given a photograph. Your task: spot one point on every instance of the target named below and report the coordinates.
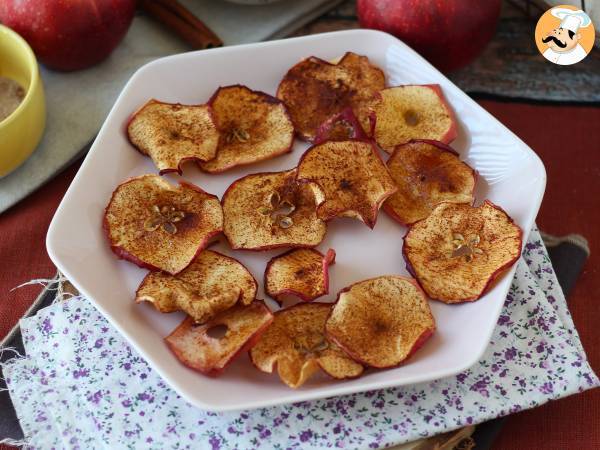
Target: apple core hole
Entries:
(218, 331)
(411, 118)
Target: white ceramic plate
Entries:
(511, 176)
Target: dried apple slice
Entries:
(341, 127)
(380, 322)
(254, 126)
(210, 347)
(271, 210)
(351, 176)
(427, 173)
(171, 134)
(212, 283)
(314, 90)
(403, 113)
(297, 344)
(459, 250)
(370, 80)
(300, 272)
(160, 226)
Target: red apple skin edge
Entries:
(419, 342)
(299, 135)
(327, 260)
(368, 221)
(69, 34)
(182, 161)
(251, 342)
(390, 211)
(452, 132)
(491, 280)
(270, 99)
(264, 248)
(329, 305)
(449, 34)
(137, 299)
(124, 254)
(121, 253)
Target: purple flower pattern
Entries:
(82, 386)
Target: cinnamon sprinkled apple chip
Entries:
(381, 321)
(210, 284)
(254, 126)
(352, 178)
(427, 173)
(210, 347)
(171, 134)
(403, 113)
(160, 226)
(270, 210)
(297, 344)
(300, 272)
(314, 90)
(459, 250)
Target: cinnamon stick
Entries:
(182, 22)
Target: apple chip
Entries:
(314, 90)
(427, 173)
(341, 127)
(210, 347)
(300, 272)
(211, 284)
(160, 226)
(254, 126)
(381, 321)
(271, 210)
(459, 250)
(297, 344)
(353, 180)
(172, 134)
(403, 113)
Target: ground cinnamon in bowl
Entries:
(11, 95)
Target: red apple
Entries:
(69, 34)
(449, 33)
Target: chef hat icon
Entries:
(570, 19)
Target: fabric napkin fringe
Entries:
(56, 284)
(15, 443)
(24, 443)
(17, 356)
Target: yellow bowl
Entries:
(22, 130)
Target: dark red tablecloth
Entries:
(568, 140)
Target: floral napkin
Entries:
(81, 386)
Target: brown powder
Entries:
(11, 95)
